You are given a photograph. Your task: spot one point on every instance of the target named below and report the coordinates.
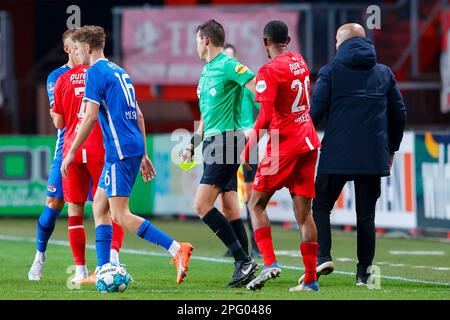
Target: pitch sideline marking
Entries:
(296, 254)
(417, 253)
(209, 259)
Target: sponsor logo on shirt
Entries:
(199, 89)
(78, 78)
(213, 92)
(261, 86)
(296, 68)
(240, 69)
(51, 188)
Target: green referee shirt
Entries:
(250, 109)
(220, 91)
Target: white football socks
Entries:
(114, 256)
(174, 248)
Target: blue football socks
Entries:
(103, 239)
(151, 233)
(45, 227)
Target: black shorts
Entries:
(249, 175)
(221, 160)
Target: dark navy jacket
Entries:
(364, 111)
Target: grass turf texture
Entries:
(155, 277)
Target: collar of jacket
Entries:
(357, 53)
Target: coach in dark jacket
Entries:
(365, 117)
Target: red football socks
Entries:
(117, 236)
(309, 256)
(263, 238)
(77, 240)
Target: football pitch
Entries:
(410, 268)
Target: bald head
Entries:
(348, 31)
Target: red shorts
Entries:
(79, 176)
(295, 172)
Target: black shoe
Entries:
(363, 280)
(256, 253)
(243, 270)
(322, 269)
(228, 254)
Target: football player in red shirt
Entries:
(282, 88)
(69, 110)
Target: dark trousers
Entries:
(367, 191)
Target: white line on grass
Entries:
(209, 259)
(418, 253)
(294, 254)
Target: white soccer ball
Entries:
(112, 277)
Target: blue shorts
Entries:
(118, 177)
(54, 182)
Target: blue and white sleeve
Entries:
(51, 81)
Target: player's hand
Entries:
(186, 155)
(245, 163)
(148, 172)
(66, 162)
(52, 114)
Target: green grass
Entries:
(155, 277)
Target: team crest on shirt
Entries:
(240, 69)
(51, 188)
(51, 87)
(213, 92)
(261, 86)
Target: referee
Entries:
(249, 113)
(220, 97)
(365, 118)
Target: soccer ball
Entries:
(112, 277)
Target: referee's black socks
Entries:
(223, 229)
(241, 234)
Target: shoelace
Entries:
(35, 266)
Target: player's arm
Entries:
(196, 139)
(85, 128)
(148, 171)
(251, 85)
(320, 100)
(56, 111)
(237, 72)
(266, 93)
(259, 129)
(58, 120)
(51, 81)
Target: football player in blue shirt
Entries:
(54, 201)
(110, 98)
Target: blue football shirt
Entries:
(51, 80)
(109, 86)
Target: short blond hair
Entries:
(67, 34)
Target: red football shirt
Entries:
(284, 83)
(69, 92)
